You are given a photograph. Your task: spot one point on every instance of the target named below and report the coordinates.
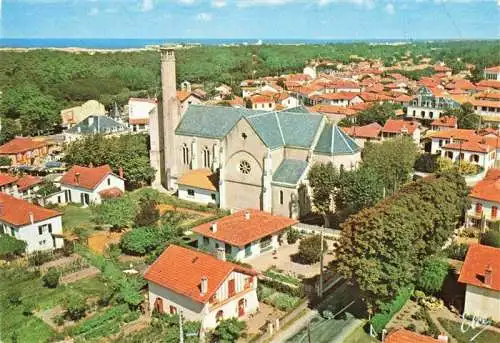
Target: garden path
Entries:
(81, 274)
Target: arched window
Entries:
(474, 158)
(449, 154)
(281, 197)
(479, 208)
(158, 305)
(185, 154)
(206, 157)
(494, 212)
(431, 114)
(422, 114)
(219, 316)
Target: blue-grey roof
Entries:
(276, 129)
(97, 124)
(334, 141)
(289, 172)
(298, 109)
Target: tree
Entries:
(76, 307)
(119, 212)
(433, 274)
(228, 330)
(10, 246)
(392, 160)
(310, 249)
(426, 163)
(323, 179)
(491, 238)
(148, 211)
(377, 113)
(358, 189)
(140, 241)
(51, 278)
(466, 117)
(383, 248)
(5, 161)
(9, 129)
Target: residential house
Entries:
(399, 127)
(479, 152)
(407, 336)
(443, 137)
(343, 99)
(444, 123)
(248, 87)
(262, 102)
(487, 105)
(199, 185)
(8, 184)
(187, 98)
(366, 133)
(492, 73)
(245, 234)
(288, 101)
(39, 227)
(334, 113)
(223, 92)
(485, 201)
(95, 125)
(26, 151)
(429, 103)
(139, 111)
(27, 186)
(481, 275)
(201, 287)
(74, 115)
(90, 185)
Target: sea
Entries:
(136, 43)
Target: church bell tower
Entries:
(171, 114)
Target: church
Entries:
(241, 158)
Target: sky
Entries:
(259, 19)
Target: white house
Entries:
(8, 184)
(485, 201)
(481, 274)
(398, 127)
(492, 73)
(89, 185)
(200, 286)
(138, 113)
(244, 234)
(199, 185)
(429, 103)
(40, 228)
(443, 137)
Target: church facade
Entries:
(258, 159)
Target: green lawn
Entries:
(31, 290)
(282, 277)
(75, 216)
(454, 329)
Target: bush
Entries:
(10, 246)
(457, 251)
(387, 311)
(140, 241)
(433, 275)
(40, 257)
(148, 213)
(296, 291)
(28, 308)
(292, 236)
(118, 213)
(59, 320)
(14, 297)
(432, 329)
(309, 249)
(228, 330)
(283, 302)
(411, 327)
(426, 163)
(76, 308)
(51, 278)
(491, 238)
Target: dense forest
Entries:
(37, 84)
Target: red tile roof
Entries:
(445, 121)
(88, 177)
(261, 99)
(332, 109)
(17, 212)
(7, 179)
(183, 95)
(367, 131)
(472, 146)
(480, 258)
(406, 336)
(339, 96)
(484, 84)
(180, 270)
(489, 188)
(239, 231)
(495, 69)
(138, 121)
(21, 144)
(200, 178)
(455, 133)
(397, 125)
(27, 181)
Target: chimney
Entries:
(32, 217)
(487, 275)
(221, 254)
(213, 227)
(120, 172)
(442, 338)
(77, 178)
(247, 215)
(204, 285)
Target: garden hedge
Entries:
(388, 310)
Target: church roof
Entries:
(276, 129)
(298, 109)
(97, 124)
(334, 141)
(289, 172)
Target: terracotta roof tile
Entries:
(200, 178)
(397, 126)
(7, 179)
(485, 84)
(339, 96)
(138, 121)
(332, 109)
(472, 146)
(21, 144)
(17, 211)
(455, 133)
(239, 231)
(445, 121)
(85, 177)
(480, 258)
(495, 69)
(183, 95)
(488, 188)
(406, 336)
(27, 181)
(367, 131)
(180, 269)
